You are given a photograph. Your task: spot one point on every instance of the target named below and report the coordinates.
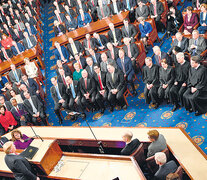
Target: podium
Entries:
(47, 156)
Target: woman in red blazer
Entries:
(6, 41)
(190, 20)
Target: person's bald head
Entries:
(127, 136)
(9, 147)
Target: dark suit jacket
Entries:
(119, 7)
(61, 8)
(62, 17)
(131, 147)
(84, 7)
(201, 45)
(90, 73)
(66, 69)
(76, 88)
(31, 21)
(131, 29)
(164, 55)
(3, 141)
(11, 32)
(118, 36)
(194, 3)
(17, 115)
(62, 29)
(32, 29)
(201, 18)
(142, 13)
(85, 43)
(71, 13)
(103, 39)
(64, 52)
(79, 48)
(97, 58)
(103, 80)
(72, 3)
(160, 10)
(32, 40)
(91, 86)
(183, 45)
(118, 82)
(60, 79)
(91, 7)
(9, 54)
(18, 37)
(164, 170)
(129, 71)
(20, 167)
(106, 11)
(82, 61)
(134, 50)
(72, 24)
(62, 90)
(178, 18)
(131, 2)
(20, 47)
(33, 86)
(38, 105)
(116, 54)
(8, 105)
(12, 77)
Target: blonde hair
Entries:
(15, 131)
(153, 134)
(7, 147)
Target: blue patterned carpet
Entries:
(138, 113)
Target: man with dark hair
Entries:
(131, 145)
(195, 97)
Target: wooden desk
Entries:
(186, 152)
(19, 59)
(97, 26)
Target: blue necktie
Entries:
(94, 58)
(58, 92)
(59, 29)
(29, 43)
(128, 5)
(73, 91)
(194, 50)
(100, 42)
(16, 76)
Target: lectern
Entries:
(47, 156)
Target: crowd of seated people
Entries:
(20, 98)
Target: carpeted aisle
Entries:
(138, 113)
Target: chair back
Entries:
(179, 171)
(164, 14)
(142, 54)
(138, 154)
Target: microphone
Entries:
(36, 134)
(26, 140)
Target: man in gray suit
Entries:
(88, 43)
(180, 41)
(114, 35)
(103, 11)
(197, 44)
(15, 75)
(17, 164)
(29, 41)
(89, 68)
(142, 10)
(164, 168)
(19, 25)
(158, 142)
(106, 61)
(129, 30)
(35, 108)
(116, 7)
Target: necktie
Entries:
(82, 17)
(74, 48)
(102, 11)
(30, 14)
(19, 27)
(112, 77)
(16, 76)
(61, 54)
(159, 59)
(17, 34)
(30, 32)
(8, 32)
(89, 44)
(81, 67)
(91, 68)
(100, 82)
(155, 9)
(197, 4)
(58, 92)
(127, 29)
(5, 55)
(63, 80)
(94, 59)
(100, 42)
(194, 50)
(29, 43)
(73, 91)
(122, 63)
(27, 83)
(18, 110)
(59, 29)
(92, 2)
(114, 36)
(112, 54)
(128, 5)
(17, 49)
(129, 51)
(86, 84)
(115, 8)
(59, 19)
(33, 107)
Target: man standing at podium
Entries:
(17, 164)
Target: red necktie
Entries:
(59, 18)
(92, 2)
(102, 12)
(5, 54)
(18, 110)
(63, 80)
(112, 54)
(8, 32)
(86, 84)
(129, 52)
(159, 60)
(81, 67)
(19, 27)
(89, 44)
(100, 82)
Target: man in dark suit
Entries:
(116, 7)
(197, 44)
(5, 54)
(7, 104)
(159, 55)
(81, 5)
(95, 56)
(18, 35)
(20, 115)
(30, 20)
(116, 86)
(113, 52)
(74, 95)
(164, 167)
(29, 41)
(65, 67)
(89, 67)
(17, 164)
(132, 51)
(74, 48)
(92, 6)
(196, 3)
(156, 14)
(8, 31)
(103, 10)
(129, 30)
(19, 15)
(61, 53)
(102, 93)
(58, 93)
(58, 7)
(70, 23)
(62, 75)
(100, 41)
(15, 75)
(88, 91)
(180, 41)
(35, 109)
(114, 35)
(129, 5)
(142, 10)
(88, 43)
(59, 17)
(70, 12)
(151, 80)
(81, 61)
(105, 61)
(17, 48)
(131, 145)
(125, 64)
(59, 29)
(70, 3)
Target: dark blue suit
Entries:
(83, 62)
(147, 28)
(4, 81)
(64, 52)
(14, 50)
(33, 86)
(72, 24)
(202, 29)
(87, 19)
(128, 67)
(33, 30)
(132, 3)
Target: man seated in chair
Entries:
(61, 52)
(125, 64)
(131, 145)
(83, 19)
(164, 167)
(158, 142)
